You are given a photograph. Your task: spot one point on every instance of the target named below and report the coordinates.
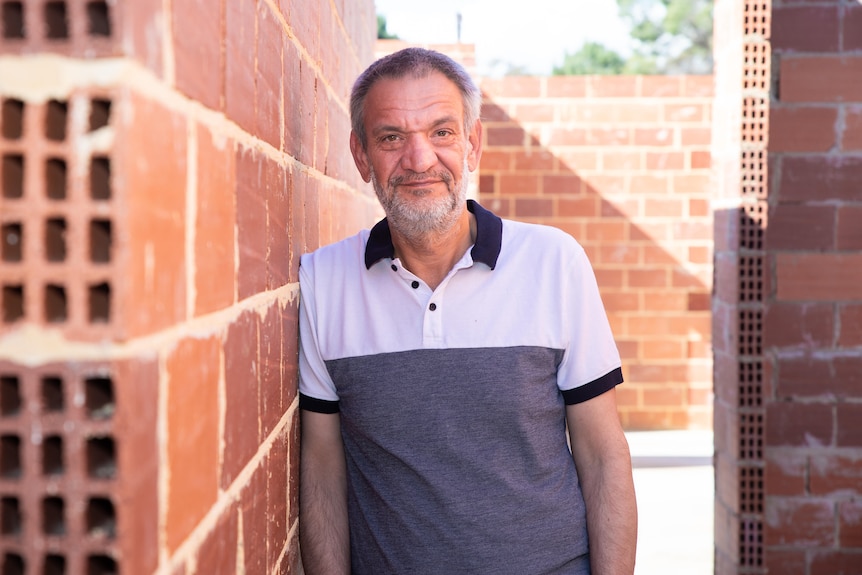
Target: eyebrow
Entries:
(392, 128)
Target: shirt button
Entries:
(415, 284)
(394, 268)
(432, 307)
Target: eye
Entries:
(443, 133)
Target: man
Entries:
(443, 356)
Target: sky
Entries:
(533, 34)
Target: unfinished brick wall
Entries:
(623, 164)
(788, 342)
(164, 164)
(813, 313)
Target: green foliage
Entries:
(382, 34)
(669, 37)
(592, 58)
(675, 35)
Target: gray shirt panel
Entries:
(458, 463)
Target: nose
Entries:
(419, 154)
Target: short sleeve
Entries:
(316, 388)
(591, 362)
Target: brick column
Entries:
(162, 167)
(740, 139)
(813, 313)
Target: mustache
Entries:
(445, 177)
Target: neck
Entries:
(432, 256)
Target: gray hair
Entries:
(416, 63)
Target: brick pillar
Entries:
(813, 313)
(162, 167)
(742, 283)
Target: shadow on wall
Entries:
(622, 164)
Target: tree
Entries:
(382, 34)
(592, 58)
(676, 35)
(669, 37)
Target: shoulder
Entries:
(344, 254)
(539, 241)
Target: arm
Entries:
(323, 531)
(602, 458)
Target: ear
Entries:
(474, 140)
(360, 158)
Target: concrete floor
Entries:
(674, 483)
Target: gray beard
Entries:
(418, 222)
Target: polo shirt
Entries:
(452, 400)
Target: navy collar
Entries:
(489, 238)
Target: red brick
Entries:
(851, 137)
(513, 86)
(254, 521)
(493, 112)
(239, 65)
(612, 86)
(272, 388)
(793, 129)
(803, 326)
(700, 159)
(665, 160)
(849, 230)
(847, 418)
(698, 207)
(695, 136)
(852, 32)
(193, 369)
(605, 231)
(687, 112)
(217, 553)
(505, 136)
(565, 86)
(822, 79)
(278, 220)
(215, 224)
(616, 302)
(801, 227)
(534, 207)
(670, 208)
(493, 160)
(241, 419)
(837, 562)
(154, 285)
(663, 396)
(850, 333)
(850, 524)
(805, 28)
(518, 184)
(653, 136)
(665, 350)
(293, 124)
(786, 474)
(819, 277)
(800, 425)
(650, 183)
(308, 88)
(278, 468)
(251, 185)
(820, 178)
(145, 42)
(580, 206)
(536, 160)
(197, 30)
(785, 561)
(607, 137)
(654, 86)
(268, 77)
(566, 184)
(534, 112)
(304, 21)
(698, 86)
(833, 474)
(621, 160)
(692, 184)
(799, 522)
(569, 136)
(138, 461)
(619, 254)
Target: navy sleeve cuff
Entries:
(317, 405)
(592, 389)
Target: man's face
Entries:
(418, 155)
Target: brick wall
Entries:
(788, 350)
(623, 164)
(164, 164)
(813, 314)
